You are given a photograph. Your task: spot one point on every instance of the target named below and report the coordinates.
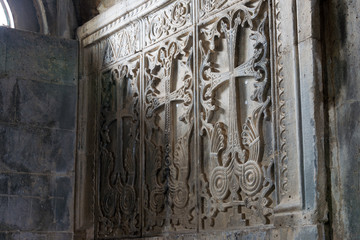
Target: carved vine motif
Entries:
(168, 21)
(207, 6)
(251, 7)
(169, 196)
(122, 43)
(239, 179)
(118, 199)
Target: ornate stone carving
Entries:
(168, 21)
(207, 77)
(122, 43)
(236, 177)
(283, 168)
(119, 160)
(166, 188)
(169, 185)
(207, 6)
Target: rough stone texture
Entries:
(38, 91)
(342, 44)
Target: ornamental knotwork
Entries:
(206, 6)
(169, 195)
(168, 21)
(119, 160)
(236, 180)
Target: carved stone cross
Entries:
(126, 109)
(166, 59)
(233, 164)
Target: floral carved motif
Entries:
(119, 160)
(168, 21)
(236, 177)
(207, 6)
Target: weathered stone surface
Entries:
(38, 150)
(38, 88)
(43, 214)
(10, 236)
(18, 214)
(30, 185)
(52, 59)
(43, 104)
(37, 103)
(342, 50)
(32, 236)
(8, 99)
(4, 184)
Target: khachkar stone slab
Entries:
(169, 200)
(119, 158)
(190, 122)
(236, 177)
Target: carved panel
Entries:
(119, 163)
(207, 8)
(122, 43)
(167, 21)
(236, 176)
(170, 200)
(185, 142)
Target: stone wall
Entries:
(201, 119)
(38, 89)
(341, 25)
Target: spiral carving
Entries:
(157, 27)
(127, 200)
(251, 179)
(179, 13)
(108, 204)
(219, 184)
(157, 200)
(181, 196)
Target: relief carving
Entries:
(167, 21)
(207, 6)
(283, 168)
(119, 160)
(169, 185)
(197, 160)
(236, 177)
(122, 43)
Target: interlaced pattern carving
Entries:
(168, 21)
(119, 162)
(233, 185)
(169, 198)
(239, 179)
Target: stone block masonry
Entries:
(38, 92)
